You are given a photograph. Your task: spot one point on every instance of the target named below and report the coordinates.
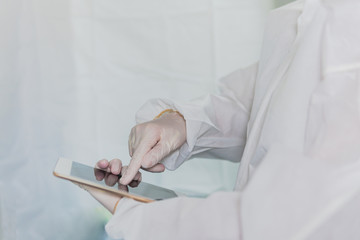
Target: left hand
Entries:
(113, 168)
(108, 199)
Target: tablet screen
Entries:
(106, 179)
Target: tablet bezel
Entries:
(63, 170)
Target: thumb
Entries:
(155, 155)
(156, 169)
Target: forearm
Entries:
(217, 122)
(216, 217)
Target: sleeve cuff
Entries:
(152, 108)
(112, 227)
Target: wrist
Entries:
(169, 112)
(107, 199)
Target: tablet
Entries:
(83, 174)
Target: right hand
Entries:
(150, 142)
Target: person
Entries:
(293, 122)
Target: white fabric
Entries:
(139, 221)
(305, 109)
(310, 198)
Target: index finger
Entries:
(134, 165)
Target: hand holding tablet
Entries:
(104, 180)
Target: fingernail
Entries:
(122, 179)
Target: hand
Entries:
(108, 199)
(150, 142)
(113, 168)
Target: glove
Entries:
(108, 199)
(111, 177)
(150, 142)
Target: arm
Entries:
(216, 217)
(216, 125)
(213, 127)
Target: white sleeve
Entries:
(216, 217)
(216, 124)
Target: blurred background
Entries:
(73, 74)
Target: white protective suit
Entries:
(294, 122)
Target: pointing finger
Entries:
(135, 164)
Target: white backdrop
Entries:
(73, 74)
